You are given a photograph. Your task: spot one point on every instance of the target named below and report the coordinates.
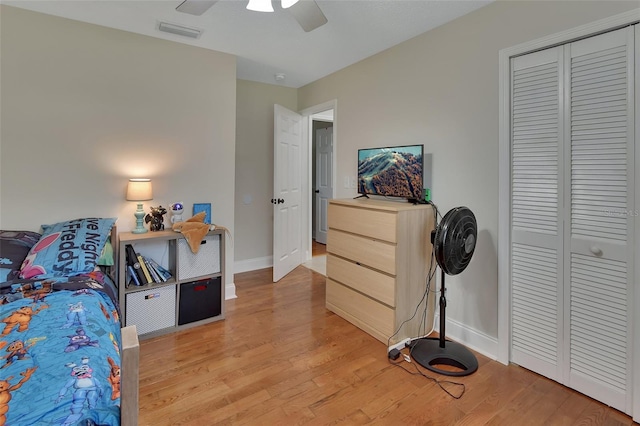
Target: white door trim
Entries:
(635, 326)
(504, 159)
(307, 203)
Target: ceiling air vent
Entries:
(179, 30)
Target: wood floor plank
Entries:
(553, 396)
(382, 389)
(281, 358)
(411, 410)
(570, 409)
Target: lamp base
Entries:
(139, 214)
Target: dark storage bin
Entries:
(200, 300)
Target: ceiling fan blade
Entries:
(195, 7)
(308, 15)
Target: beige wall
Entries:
(441, 89)
(86, 107)
(254, 167)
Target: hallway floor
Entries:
(318, 261)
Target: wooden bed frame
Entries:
(129, 376)
(129, 365)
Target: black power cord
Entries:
(440, 383)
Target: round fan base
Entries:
(428, 353)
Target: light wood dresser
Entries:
(378, 257)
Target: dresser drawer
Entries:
(368, 314)
(376, 224)
(376, 254)
(373, 283)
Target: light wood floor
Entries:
(318, 249)
(280, 358)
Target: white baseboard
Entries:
(230, 291)
(473, 339)
(253, 264)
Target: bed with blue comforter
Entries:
(60, 336)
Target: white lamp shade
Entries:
(288, 3)
(260, 5)
(139, 190)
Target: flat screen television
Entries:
(394, 171)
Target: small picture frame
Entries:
(203, 207)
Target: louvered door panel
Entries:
(599, 256)
(534, 307)
(599, 320)
(535, 228)
(535, 148)
(599, 144)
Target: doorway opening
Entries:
(322, 162)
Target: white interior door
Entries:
(599, 191)
(287, 191)
(536, 211)
(324, 180)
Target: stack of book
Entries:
(143, 270)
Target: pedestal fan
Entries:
(454, 241)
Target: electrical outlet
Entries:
(346, 182)
(352, 182)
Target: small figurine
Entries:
(176, 212)
(156, 219)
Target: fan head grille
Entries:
(455, 240)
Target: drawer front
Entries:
(376, 254)
(362, 311)
(200, 300)
(205, 262)
(376, 224)
(372, 283)
(152, 310)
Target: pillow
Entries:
(106, 256)
(14, 247)
(67, 248)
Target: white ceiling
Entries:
(270, 43)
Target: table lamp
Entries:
(139, 190)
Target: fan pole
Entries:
(443, 309)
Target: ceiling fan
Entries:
(306, 12)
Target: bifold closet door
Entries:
(536, 200)
(572, 209)
(599, 249)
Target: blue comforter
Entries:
(59, 352)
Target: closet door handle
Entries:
(597, 251)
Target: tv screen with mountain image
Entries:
(395, 171)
